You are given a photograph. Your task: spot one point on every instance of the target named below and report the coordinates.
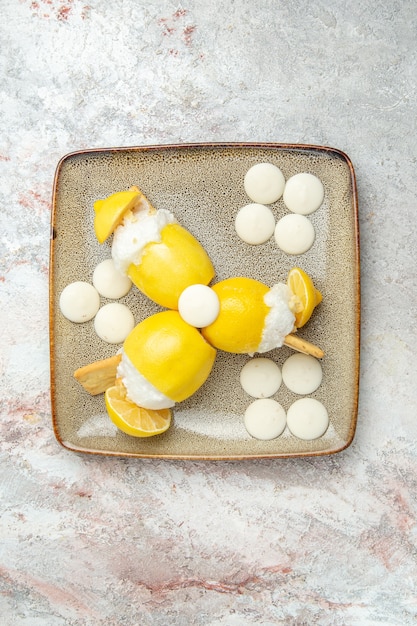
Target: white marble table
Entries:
(326, 541)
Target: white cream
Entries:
(294, 234)
(280, 320)
(139, 390)
(264, 183)
(137, 230)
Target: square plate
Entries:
(203, 186)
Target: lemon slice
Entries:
(133, 419)
(109, 212)
(306, 296)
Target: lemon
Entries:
(170, 265)
(172, 355)
(109, 212)
(238, 327)
(132, 419)
(306, 296)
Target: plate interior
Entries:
(203, 186)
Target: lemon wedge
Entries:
(109, 212)
(305, 296)
(132, 419)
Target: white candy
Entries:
(302, 373)
(109, 282)
(264, 183)
(255, 223)
(260, 378)
(265, 419)
(199, 305)
(307, 419)
(303, 193)
(294, 234)
(114, 322)
(79, 301)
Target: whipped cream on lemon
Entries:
(139, 228)
(139, 390)
(280, 319)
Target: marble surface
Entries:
(103, 541)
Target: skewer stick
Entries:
(98, 376)
(301, 345)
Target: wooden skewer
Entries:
(98, 376)
(301, 345)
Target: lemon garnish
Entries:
(110, 212)
(305, 296)
(132, 419)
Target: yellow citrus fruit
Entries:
(132, 419)
(172, 355)
(168, 266)
(109, 212)
(239, 325)
(306, 296)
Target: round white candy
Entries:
(294, 234)
(265, 419)
(198, 305)
(260, 377)
(307, 419)
(303, 193)
(264, 183)
(114, 322)
(79, 301)
(302, 373)
(109, 282)
(255, 223)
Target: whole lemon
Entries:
(170, 265)
(240, 323)
(169, 353)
